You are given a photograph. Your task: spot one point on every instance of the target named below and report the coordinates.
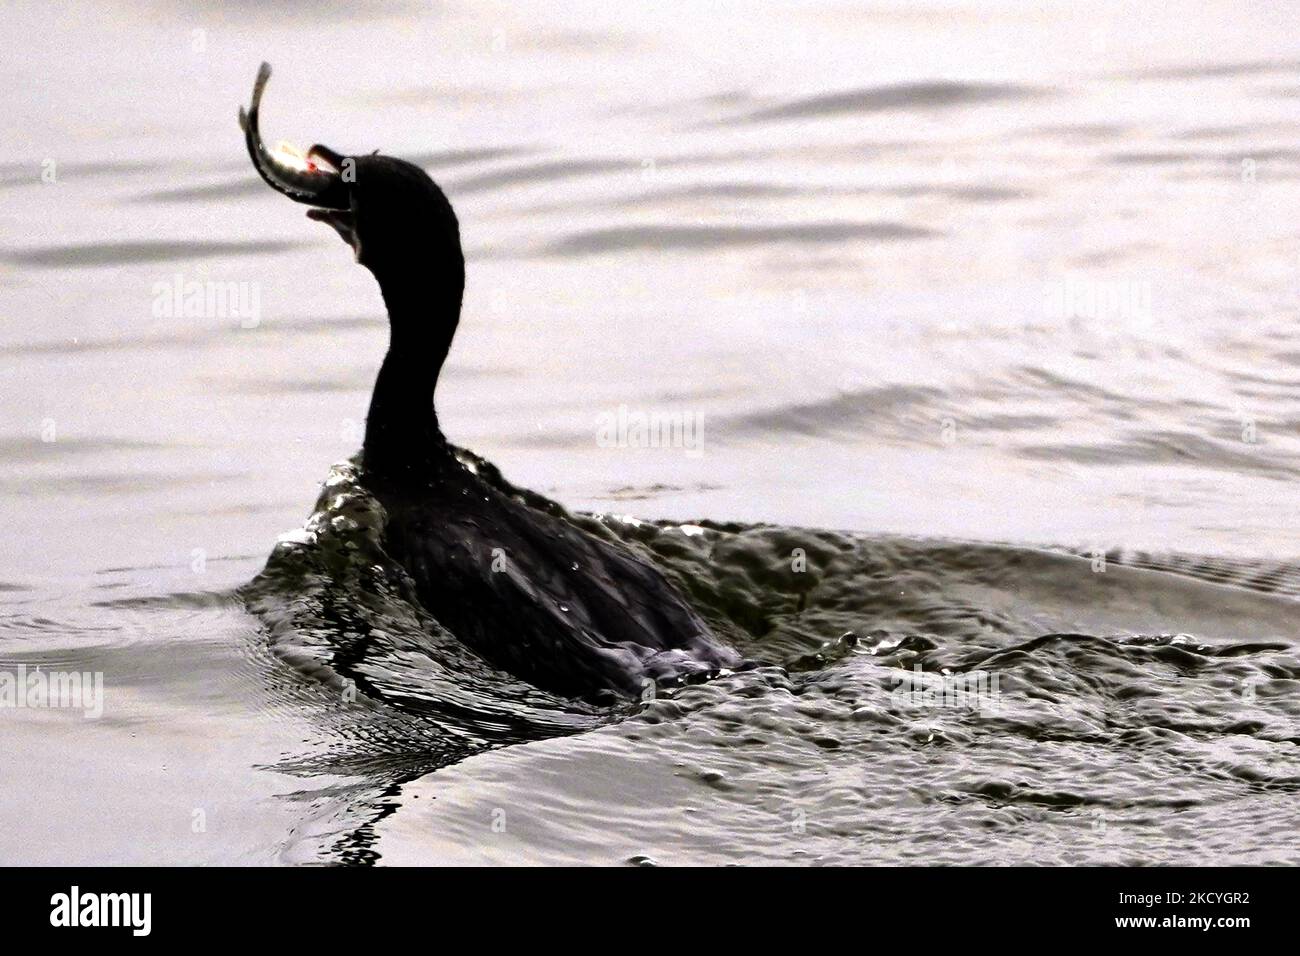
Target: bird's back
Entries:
(538, 596)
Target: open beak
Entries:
(340, 219)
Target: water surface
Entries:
(1001, 298)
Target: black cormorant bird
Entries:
(527, 590)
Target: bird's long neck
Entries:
(403, 440)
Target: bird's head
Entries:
(398, 222)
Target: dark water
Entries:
(1004, 296)
(1088, 738)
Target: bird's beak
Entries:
(342, 222)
